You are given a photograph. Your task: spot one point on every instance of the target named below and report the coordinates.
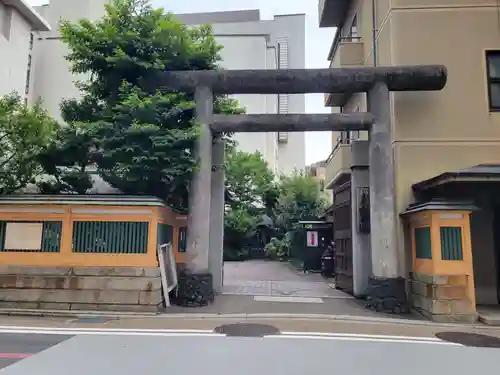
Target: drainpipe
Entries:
(374, 33)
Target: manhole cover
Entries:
(470, 339)
(247, 330)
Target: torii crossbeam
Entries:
(206, 211)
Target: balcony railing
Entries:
(339, 161)
(345, 52)
(338, 40)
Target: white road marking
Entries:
(329, 334)
(211, 333)
(108, 331)
(288, 299)
(364, 339)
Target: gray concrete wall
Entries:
(87, 288)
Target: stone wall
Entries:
(442, 298)
(81, 288)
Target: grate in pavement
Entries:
(93, 320)
(470, 339)
(247, 330)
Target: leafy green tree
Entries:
(25, 131)
(141, 138)
(65, 162)
(250, 182)
(299, 199)
(239, 226)
(251, 193)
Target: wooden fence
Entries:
(84, 232)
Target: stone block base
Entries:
(136, 289)
(195, 289)
(387, 295)
(442, 298)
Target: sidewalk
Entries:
(246, 304)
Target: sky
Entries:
(318, 144)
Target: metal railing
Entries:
(341, 140)
(168, 270)
(341, 39)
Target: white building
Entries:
(18, 22)
(249, 43)
(252, 43)
(53, 79)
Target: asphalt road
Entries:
(16, 347)
(135, 352)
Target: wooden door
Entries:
(342, 234)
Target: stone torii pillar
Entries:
(196, 285)
(217, 203)
(376, 81)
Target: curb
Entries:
(244, 316)
(73, 314)
(326, 317)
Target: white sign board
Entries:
(312, 239)
(168, 270)
(23, 236)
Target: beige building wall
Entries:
(436, 132)
(318, 172)
(443, 131)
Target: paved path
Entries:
(268, 278)
(250, 304)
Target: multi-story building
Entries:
(317, 172)
(440, 140)
(274, 44)
(249, 43)
(19, 23)
(54, 81)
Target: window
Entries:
(354, 134)
(28, 76)
(345, 137)
(353, 32)
(493, 71)
(32, 40)
(182, 239)
(28, 70)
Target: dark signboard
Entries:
(363, 209)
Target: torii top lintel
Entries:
(303, 81)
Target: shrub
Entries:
(277, 249)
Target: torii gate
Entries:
(206, 204)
